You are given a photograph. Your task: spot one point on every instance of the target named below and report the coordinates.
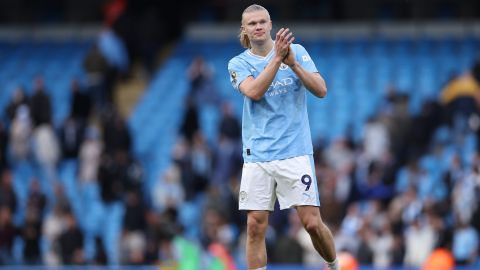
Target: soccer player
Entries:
(273, 76)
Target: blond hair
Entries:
(244, 40)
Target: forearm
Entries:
(314, 82)
(256, 88)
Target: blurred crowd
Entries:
(408, 187)
(33, 147)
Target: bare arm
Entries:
(255, 88)
(313, 81)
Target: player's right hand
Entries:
(282, 42)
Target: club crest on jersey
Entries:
(283, 66)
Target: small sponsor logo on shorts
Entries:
(243, 196)
(306, 195)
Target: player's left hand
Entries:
(289, 59)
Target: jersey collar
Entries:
(262, 57)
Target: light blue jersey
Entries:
(276, 126)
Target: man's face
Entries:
(257, 25)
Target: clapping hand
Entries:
(282, 43)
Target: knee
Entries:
(256, 228)
(313, 226)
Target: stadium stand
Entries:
(368, 78)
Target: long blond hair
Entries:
(244, 40)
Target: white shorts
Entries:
(291, 180)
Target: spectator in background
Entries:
(135, 211)
(382, 245)
(465, 243)
(99, 78)
(461, 96)
(216, 229)
(198, 73)
(168, 191)
(371, 182)
(336, 168)
(90, 155)
(464, 196)
(376, 141)
(116, 134)
(46, 149)
(70, 242)
(132, 248)
(37, 200)
(182, 156)
(40, 104)
(7, 235)
(53, 226)
(228, 159)
(201, 163)
(167, 251)
(364, 251)
(395, 115)
(339, 155)
(110, 188)
(128, 172)
(351, 224)
(166, 229)
(31, 233)
(81, 103)
(18, 99)
(229, 127)
(202, 87)
(133, 239)
(152, 233)
(335, 192)
(71, 136)
(8, 197)
(420, 241)
(421, 129)
(113, 49)
(19, 135)
(190, 123)
(60, 199)
(227, 162)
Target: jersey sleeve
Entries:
(238, 72)
(304, 59)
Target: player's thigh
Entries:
(296, 182)
(257, 188)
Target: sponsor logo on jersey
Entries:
(282, 82)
